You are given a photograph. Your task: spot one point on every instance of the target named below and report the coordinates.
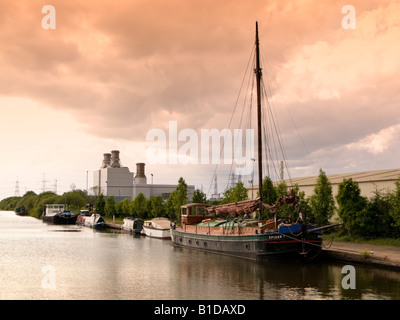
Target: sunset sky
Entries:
(113, 70)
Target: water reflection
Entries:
(92, 264)
(277, 279)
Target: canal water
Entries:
(40, 261)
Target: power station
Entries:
(113, 179)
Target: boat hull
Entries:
(60, 219)
(157, 233)
(22, 214)
(94, 221)
(255, 246)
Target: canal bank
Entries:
(112, 225)
(373, 255)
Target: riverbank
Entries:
(368, 254)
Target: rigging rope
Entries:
(233, 112)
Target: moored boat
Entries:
(62, 217)
(224, 229)
(134, 225)
(248, 238)
(157, 228)
(21, 211)
(90, 220)
(80, 220)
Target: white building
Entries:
(114, 180)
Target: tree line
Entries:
(368, 218)
(77, 200)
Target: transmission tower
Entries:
(44, 183)
(16, 192)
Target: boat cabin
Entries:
(53, 209)
(193, 213)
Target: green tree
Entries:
(156, 207)
(199, 197)
(287, 212)
(268, 191)
(177, 199)
(43, 198)
(139, 206)
(235, 194)
(375, 220)
(126, 205)
(305, 207)
(99, 205)
(109, 206)
(394, 211)
(75, 199)
(181, 191)
(322, 201)
(351, 205)
(281, 189)
(170, 206)
(9, 203)
(28, 200)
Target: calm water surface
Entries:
(40, 261)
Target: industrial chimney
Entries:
(140, 177)
(115, 162)
(106, 160)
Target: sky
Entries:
(109, 72)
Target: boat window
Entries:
(184, 210)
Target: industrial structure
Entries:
(113, 179)
(368, 181)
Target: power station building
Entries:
(112, 179)
(368, 181)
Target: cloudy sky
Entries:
(111, 71)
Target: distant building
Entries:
(368, 181)
(114, 180)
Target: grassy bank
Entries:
(118, 220)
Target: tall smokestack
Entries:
(115, 162)
(106, 160)
(140, 177)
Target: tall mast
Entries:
(258, 78)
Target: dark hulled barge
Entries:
(249, 238)
(56, 214)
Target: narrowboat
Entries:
(134, 225)
(90, 220)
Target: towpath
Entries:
(385, 256)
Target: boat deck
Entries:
(222, 230)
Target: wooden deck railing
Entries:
(234, 231)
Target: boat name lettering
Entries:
(275, 237)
